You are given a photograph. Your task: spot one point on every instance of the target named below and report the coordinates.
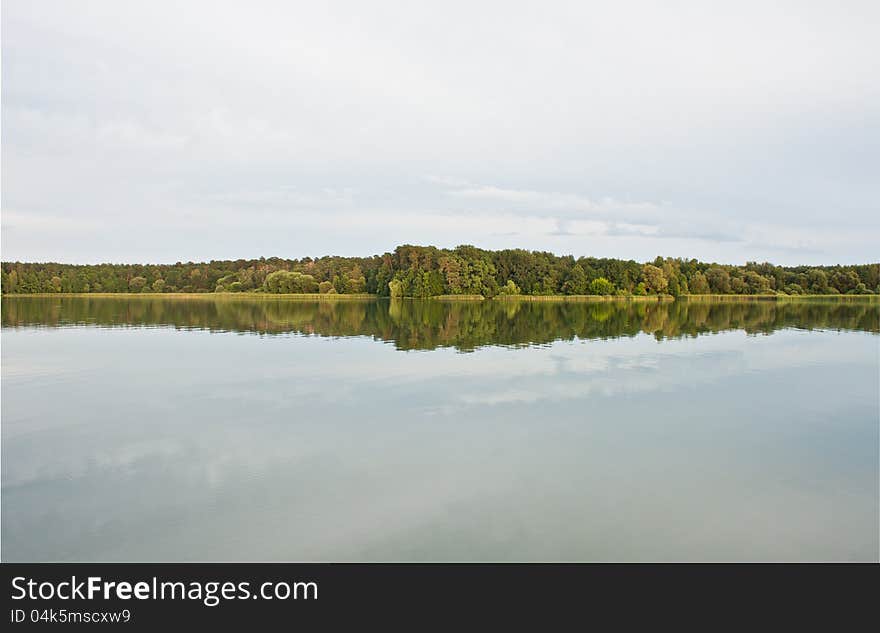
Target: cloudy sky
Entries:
(164, 131)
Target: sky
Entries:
(169, 131)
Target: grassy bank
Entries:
(829, 298)
(204, 295)
(585, 298)
(365, 296)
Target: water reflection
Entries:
(413, 324)
(180, 442)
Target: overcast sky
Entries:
(165, 131)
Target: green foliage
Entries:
(509, 289)
(396, 288)
(654, 279)
(576, 283)
(135, 284)
(817, 281)
(699, 284)
(427, 271)
(601, 286)
(794, 289)
(719, 280)
(285, 282)
(756, 284)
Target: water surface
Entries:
(269, 429)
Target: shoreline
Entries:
(370, 297)
(197, 295)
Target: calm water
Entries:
(171, 429)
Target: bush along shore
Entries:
(465, 272)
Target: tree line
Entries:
(427, 271)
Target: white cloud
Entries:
(555, 202)
(667, 128)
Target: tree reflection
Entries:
(429, 324)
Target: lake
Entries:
(270, 429)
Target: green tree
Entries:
(395, 287)
(738, 286)
(683, 284)
(755, 283)
(719, 280)
(136, 284)
(601, 286)
(509, 288)
(10, 282)
(654, 279)
(340, 283)
(817, 281)
(427, 271)
(699, 285)
(576, 283)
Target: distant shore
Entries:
(367, 296)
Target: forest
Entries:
(428, 271)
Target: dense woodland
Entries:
(427, 271)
